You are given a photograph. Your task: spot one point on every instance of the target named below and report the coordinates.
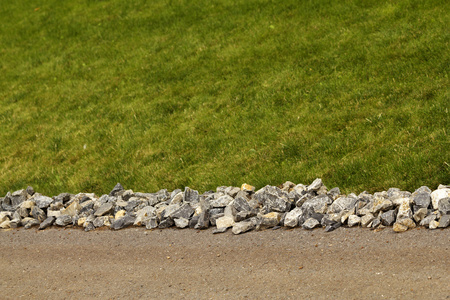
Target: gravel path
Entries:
(349, 263)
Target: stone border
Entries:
(242, 209)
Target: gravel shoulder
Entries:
(350, 263)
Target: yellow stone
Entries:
(120, 214)
(81, 221)
(247, 188)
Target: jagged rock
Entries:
(444, 206)
(315, 185)
(422, 199)
(18, 197)
(353, 220)
(242, 227)
(181, 222)
(38, 214)
(224, 222)
(241, 204)
(271, 219)
(119, 214)
(444, 222)
(247, 188)
(381, 204)
(375, 223)
(63, 220)
(222, 201)
(420, 214)
(151, 223)
(27, 204)
(116, 190)
(333, 226)
(334, 193)
(213, 218)
(63, 198)
(30, 223)
(203, 217)
(366, 220)
(5, 216)
(318, 204)
(143, 215)
(399, 227)
(101, 221)
(438, 195)
(273, 198)
(104, 209)
(30, 190)
(81, 221)
(310, 224)
(72, 209)
(5, 224)
(427, 220)
(232, 191)
(122, 222)
(291, 218)
(193, 221)
(47, 223)
(190, 195)
(23, 212)
(166, 223)
(388, 218)
(342, 204)
(177, 198)
(404, 210)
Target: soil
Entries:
(348, 263)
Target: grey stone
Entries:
(30, 190)
(242, 227)
(273, 198)
(123, 222)
(310, 223)
(23, 212)
(47, 223)
(88, 226)
(342, 204)
(184, 211)
(318, 204)
(315, 185)
(38, 214)
(31, 223)
(241, 204)
(444, 206)
(203, 220)
(422, 199)
(222, 201)
(116, 190)
(427, 220)
(232, 191)
(423, 189)
(190, 195)
(303, 198)
(181, 222)
(334, 193)
(64, 197)
(243, 215)
(104, 209)
(18, 197)
(41, 201)
(166, 223)
(388, 218)
(152, 223)
(375, 223)
(132, 204)
(193, 221)
(333, 226)
(63, 220)
(444, 222)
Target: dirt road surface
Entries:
(349, 263)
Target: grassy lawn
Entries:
(166, 94)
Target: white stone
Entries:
(353, 220)
(224, 222)
(291, 218)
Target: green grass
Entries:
(167, 94)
